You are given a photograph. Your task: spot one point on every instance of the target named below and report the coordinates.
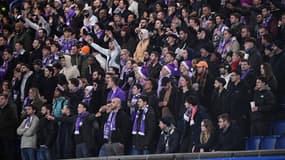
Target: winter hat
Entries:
(172, 69)
(187, 64)
(58, 1)
(88, 88)
(85, 50)
(167, 120)
(142, 72)
(202, 64)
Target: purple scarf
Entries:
(3, 70)
(110, 124)
(28, 122)
(79, 120)
(141, 130)
(27, 101)
(222, 47)
(87, 98)
(244, 74)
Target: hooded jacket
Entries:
(68, 70)
(142, 45)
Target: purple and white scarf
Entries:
(141, 129)
(79, 120)
(3, 70)
(110, 125)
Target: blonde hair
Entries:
(205, 135)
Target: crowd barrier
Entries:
(229, 155)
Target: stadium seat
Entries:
(268, 142)
(279, 127)
(280, 144)
(252, 143)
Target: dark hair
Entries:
(192, 100)
(48, 106)
(4, 95)
(139, 86)
(221, 80)
(224, 116)
(263, 79)
(115, 79)
(31, 105)
(83, 104)
(143, 98)
(188, 80)
(74, 81)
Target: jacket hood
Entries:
(144, 34)
(67, 60)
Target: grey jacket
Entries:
(29, 134)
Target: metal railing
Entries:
(188, 156)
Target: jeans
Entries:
(139, 152)
(28, 154)
(81, 150)
(43, 153)
(111, 149)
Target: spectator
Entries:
(143, 128)
(116, 129)
(169, 138)
(261, 108)
(46, 135)
(67, 69)
(28, 132)
(207, 137)
(228, 130)
(8, 125)
(267, 73)
(193, 117)
(218, 98)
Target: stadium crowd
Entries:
(83, 78)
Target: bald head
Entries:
(115, 104)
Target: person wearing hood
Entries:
(89, 19)
(68, 70)
(169, 138)
(143, 35)
(261, 107)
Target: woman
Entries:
(229, 44)
(35, 99)
(207, 137)
(266, 72)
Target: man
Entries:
(36, 52)
(230, 137)
(193, 117)
(218, 98)
(269, 21)
(46, 135)
(254, 58)
(20, 54)
(154, 67)
(117, 129)
(248, 74)
(116, 91)
(6, 69)
(261, 107)
(67, 69)
(238, 101)
(143, 128)
(84, 132)
(74, 93)
(169, 138)
(28, 81)
(8, 125)
(235, 24)
(28, 132)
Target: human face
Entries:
(182, 82)
(6, 55)
(135, 90)
(188, 105)
(164, 72)
(203, 127)
(47, 73)
(3, 101)
(182, 68)
(141, 103)
(244, 33)
(70, 85)
(221, 123)
(44, 110)
(259, 84)
(161, 125)
(115, 103)
(227, 35)
(245, 66)
(36, 44)
(31, 94)
(64, 110)
(200, 70)
(80, 108)
(234, 77)
(29, 110)
(2, 41)
(235, 57)
(218, 20)
(233, 19)
(148, 85)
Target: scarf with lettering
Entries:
(110, 124)
(79, 119)
(141, 129)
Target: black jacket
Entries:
(47, 132)
(74, 99)
(153, 71)
(123, 128)
(8, 122)
(144, 142)
(238, 100)
(230, 139)
(209, 145)
(265, 101)
(218, 101)
(168, 141)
